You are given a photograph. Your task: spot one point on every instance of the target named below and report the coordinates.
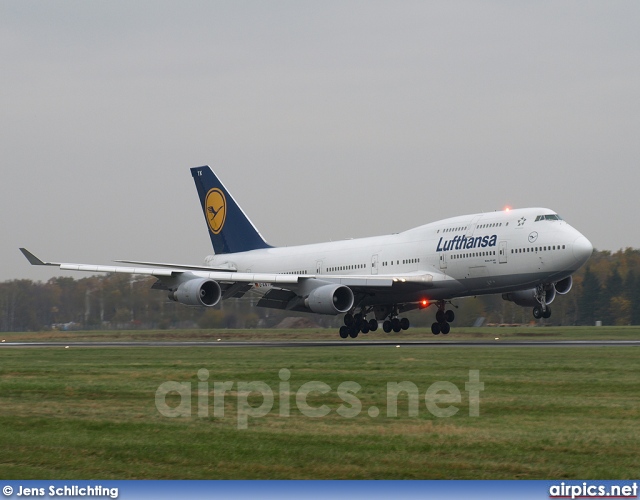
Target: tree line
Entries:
(605, 290)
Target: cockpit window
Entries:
(548, 217)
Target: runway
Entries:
(333, 343)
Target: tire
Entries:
(353, 333)
(547, 313)
(357, 321)
(365, 327)
(344, 332)
(440, 316)
(395, 324)
(435, 328)
(373, 325)
(537, 312)
(449, 316)
(445, 328)
(348, 319)
(386, 326)
(404, 324)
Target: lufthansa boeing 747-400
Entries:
(527, 255)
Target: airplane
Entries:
(528, 255)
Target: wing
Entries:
(188, 284)
(167, 271)
(189, 267)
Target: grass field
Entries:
(457, 333)
(544, 412)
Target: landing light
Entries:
(507, 209)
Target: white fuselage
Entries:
(475, 254)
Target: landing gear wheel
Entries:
(537, 312)
(435, 328)
(357, 321)
(386, 326)
(404, 324)
(348, 319)
(395, 324)
(365, 327)
(449, 316)
(547, 313)
(353, 332)
(344, 332)
(445, 328)
(440, 316)
(373, 325)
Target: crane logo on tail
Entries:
(216, 209)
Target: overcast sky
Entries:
(326, 120)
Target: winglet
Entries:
(33, 260)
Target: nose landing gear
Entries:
(538, 312)
(542, 310)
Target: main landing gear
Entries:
(396, 324)
(354, 324)
(443, 318)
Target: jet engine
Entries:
(330, 299)
(563, 286)
(197, 292)
(526, 298)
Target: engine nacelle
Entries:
(527, 298)
(197, 292)
(563, 286)
(330, 299)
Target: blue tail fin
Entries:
(230, 229)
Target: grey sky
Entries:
(326, 120)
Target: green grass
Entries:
(544, 413)
(457, 333)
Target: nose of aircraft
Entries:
(582, 249)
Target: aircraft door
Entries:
(374, 264)
(502, 249)
(319, 267)
(443, 260)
